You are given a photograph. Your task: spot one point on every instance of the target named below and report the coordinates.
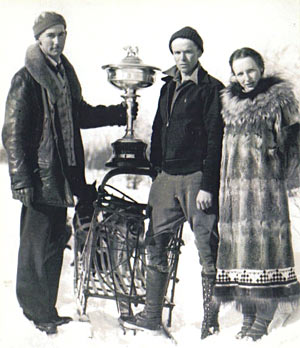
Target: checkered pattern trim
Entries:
(256, 277)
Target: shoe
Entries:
(49, 328)
(61, 320)
(140, 320)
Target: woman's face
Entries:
(247, 73)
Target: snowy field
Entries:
(17, 332)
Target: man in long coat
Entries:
(41, 134)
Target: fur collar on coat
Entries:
(272, 105)
(267, 100)
(36, 64)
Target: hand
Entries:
(204, 200)
(134, 106)
(25, 195)
(155, 170)
(134, 109)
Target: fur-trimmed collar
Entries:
(35, 63)
(263, 85)
(267, 100)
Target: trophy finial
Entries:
(131, 51)
(132, 55)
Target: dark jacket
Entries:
(33, 139)
(189, 138)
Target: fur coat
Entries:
(260, 151)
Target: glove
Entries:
(25, 195)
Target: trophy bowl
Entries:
(130, 75)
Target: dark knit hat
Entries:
(45, 21)
(187, 33)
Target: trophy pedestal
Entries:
(129, 153)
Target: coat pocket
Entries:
(49, 185)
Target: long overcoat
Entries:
(260, 150)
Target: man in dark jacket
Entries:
(185, 151)
(41, 134)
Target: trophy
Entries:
(130, 75)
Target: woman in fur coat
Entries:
(260, 150)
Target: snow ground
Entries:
(16, 331)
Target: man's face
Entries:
(52, 41)
(186, 54)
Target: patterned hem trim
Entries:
(256, 277)
(235, 292)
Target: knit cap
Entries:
(45, 21)
(187, 33)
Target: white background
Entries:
(97, 32)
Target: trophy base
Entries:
(129, 153)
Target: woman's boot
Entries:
(258, 329)
(264, 315)
(249, 314)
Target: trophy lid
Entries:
(131, 72)
(130, 61)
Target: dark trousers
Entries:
(172, 201)
(42, 241)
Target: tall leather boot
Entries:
(156, 285)
(210, 323)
